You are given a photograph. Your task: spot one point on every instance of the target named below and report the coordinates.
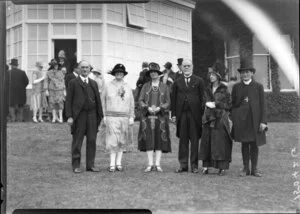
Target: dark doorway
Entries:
(70, 47)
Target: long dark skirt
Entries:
(216, 144)
(154, 139)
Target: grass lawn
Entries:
(39, 176)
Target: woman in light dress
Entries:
(55, 89)
(118, 110)
(38, 98)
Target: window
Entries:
(232, 58)
(136, 15)
(91, 11)
(261, 62)
(17, 43)
(17, 13)
(285, 84)
(37, 44)
(8, 44)
(152, 16)
(91, 43)
(64, 29)
(9, 13)
(39, 11)
(167, 19)
(64, 11)
(115, 13)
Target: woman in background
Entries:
(38, 99)
(55, 88)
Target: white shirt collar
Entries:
(187, 76)
(84, 78)
(76, 75)
(247, 82)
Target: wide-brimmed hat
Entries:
(119, 68)
(96, 71)
(168, 65)
(14, 61)
(246, 65)
(53, 62)
(179, 61)
(216, 73)
(153, 66)
(39, 64)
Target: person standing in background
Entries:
(179, 73)
(18, 82)
(143, 78)
(38, 97)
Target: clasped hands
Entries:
(153, 109)
(210, 104)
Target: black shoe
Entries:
(244, 173)
(195, 170)
(221, 172)
(204, 171)
(93, 169)
(77, 170)
(180, 170)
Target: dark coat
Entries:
(76, 99)
(68, 78)
(18, 82)
(216, 142)
(257, 104)
(143, 78)
(194, 94)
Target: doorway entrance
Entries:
(70, 47)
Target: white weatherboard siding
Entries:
(106, 34)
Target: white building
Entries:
(103, 34)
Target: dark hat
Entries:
(168, 65)
(216, 73)
(179, 61)
(14, 61)
(246, 65)
(118, 68)
(53, 62)
(154, 67)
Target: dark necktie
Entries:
(85, 82)
(187, 81)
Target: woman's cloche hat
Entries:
(118, 68)
(153, 66)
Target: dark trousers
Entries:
(250, 151)
(16, 113)
(85, 124)
(188, 132)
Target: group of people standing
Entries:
(211, 113)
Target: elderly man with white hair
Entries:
(84, 113)
(187, 110)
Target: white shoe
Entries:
(34, 120)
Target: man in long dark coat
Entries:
(179, 73)
(84, 113)
(18, 82)
(187, 110)
(249, 117)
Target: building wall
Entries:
(106, 34)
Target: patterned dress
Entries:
(55, 84)
(118, 107)
(154, 131)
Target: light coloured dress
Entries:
(38, 98)
(118, 107)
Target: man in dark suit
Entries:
(73, 75)
(249, 117)
(143, 78)
(187, 110)
(18, 82)
(179, 73)
(84, 113)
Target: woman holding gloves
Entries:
(118, 110)
(154, 133)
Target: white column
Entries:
(104, 38)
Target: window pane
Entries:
(233, 65)
(43, 14)
(32, 47)
(32, 32)
(233, 48)
(32, 14)
(261, 65)
(258, 48)
(86, 47)
(284, 81)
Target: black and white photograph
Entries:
(149, 106)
